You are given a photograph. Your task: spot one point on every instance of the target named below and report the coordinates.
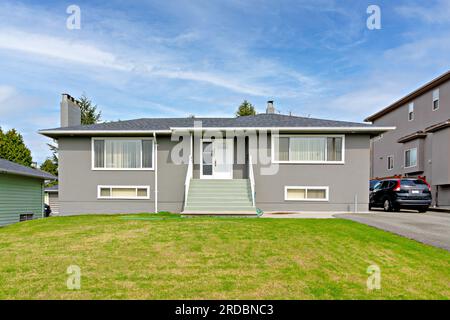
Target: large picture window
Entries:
(308, 149)
(125, 154)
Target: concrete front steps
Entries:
(214, 196)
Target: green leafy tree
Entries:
(89, 112)
(49, 166)
(13, 148)
(245, 109)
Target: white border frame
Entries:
(404, 158)
(326, 188)
(99, 187)
(123, 169)
(393, 162)
(272, 153)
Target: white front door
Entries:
(217, 159)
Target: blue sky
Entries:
(176, 58)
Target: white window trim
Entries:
(99, 196)
(326, 188)
(411, 112)
(404, 158)
(393, 162)
(435, 99)
(122, 169)
(276, 136)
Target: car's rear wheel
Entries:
(387, 205)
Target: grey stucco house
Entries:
(420, 144)
(212, 165)
(21, 192)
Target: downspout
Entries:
(156, 172)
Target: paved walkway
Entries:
(432, 228)
(303, 215)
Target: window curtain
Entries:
(282, 149)
(99, 153)
(123, 153)
(147, 153)
(334, 149)
(307, 149)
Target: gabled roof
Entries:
(408, 98)
(167, 124)
(17, 169)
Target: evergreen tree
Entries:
(245, 109)
(89, 113)
(49, 166)
(13, 148)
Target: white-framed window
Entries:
(411, 158)
(302, 193)
(308, 149)
(122, 153)
(411, 111)
(390, 162)
(435, 99)
(123, 192)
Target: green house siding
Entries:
(20, 195)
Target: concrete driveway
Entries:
(432, 228)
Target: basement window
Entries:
(26, 217)
(123, 192)
(296, 193)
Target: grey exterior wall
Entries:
(78, 182)
(345, 181)
(433, 150)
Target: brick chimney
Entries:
(270, 107)
(70, 111)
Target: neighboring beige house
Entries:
(420, 145)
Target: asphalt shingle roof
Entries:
(257, 121)
(14, 168)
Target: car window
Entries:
(377, 186)
(413, 182)
(385, 185)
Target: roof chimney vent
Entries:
(70, 111)
(270, 107)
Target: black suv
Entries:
(395, 194)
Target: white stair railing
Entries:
(251, 176)
(187, 182)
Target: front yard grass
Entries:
(168, 257)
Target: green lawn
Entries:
(214, 258)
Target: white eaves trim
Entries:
(78, 132)
(291, 129)
(298, 129)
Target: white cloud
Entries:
(438, 13)
(63, 49)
